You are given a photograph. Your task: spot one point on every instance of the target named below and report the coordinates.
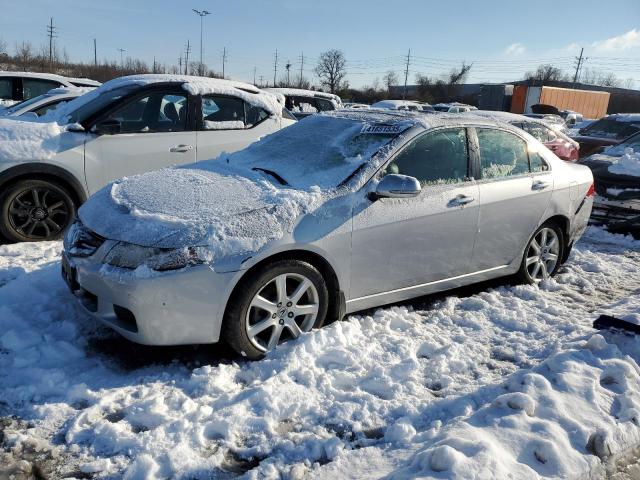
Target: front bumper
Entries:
(172, 308)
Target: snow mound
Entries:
(628, 164)
(28, 139)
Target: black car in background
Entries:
(608, 131)
(617, 201)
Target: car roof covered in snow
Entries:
(392, 104)
(381, 116)
(202, 86)
(303, 93)
(507, 117)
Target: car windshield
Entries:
(85, 106)
(441, 108)
(26, 103)
(618, 150)
(319, 151)
(616, 128)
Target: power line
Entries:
(186, 62)
(224, 59)
(121, 50)
(275, 68)
(406, 75)
(51, 32)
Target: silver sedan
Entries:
(338, 213)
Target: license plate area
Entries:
(69, 274)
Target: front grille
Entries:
(79, 241)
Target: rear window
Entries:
(614, 128)
(33, 87)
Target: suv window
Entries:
(154, 112)
(302, 104)
(325, 105)
(434, 158)
(222, 113)
(32, 87)
(502, 154)
(6, 88)
(255, 115)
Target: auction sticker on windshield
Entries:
(383, 129)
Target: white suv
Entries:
(302, 103)
(127, 126)
(19, 86)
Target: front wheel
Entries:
(33, 210)
(542, 255)
(277, 303)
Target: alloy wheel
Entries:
(39, 213)
(543, 254)
(283, 308)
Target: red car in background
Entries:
(553, 138)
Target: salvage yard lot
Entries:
(493, 379)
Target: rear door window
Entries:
(32, 87)
(223, 113)
(325, 105)
(502, 154)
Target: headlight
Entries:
(79, 241)
(128, 255)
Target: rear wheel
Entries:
(34, 210)
(543, 254)
(277, 303)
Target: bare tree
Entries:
(593, 76)
(546, 73)
(331, 69)
(390, 79)
(3, 48)
(24, 54)
(424, 83)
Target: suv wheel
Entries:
(277, 303)
(34, 210)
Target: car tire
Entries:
(543, 254)
(264, 311)
(35, 210)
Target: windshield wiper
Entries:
(280, 180)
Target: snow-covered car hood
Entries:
(226, 209)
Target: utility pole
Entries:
(121, 61)
(186, 62)
(51, 33)
(301, 67)
(406, 75)
(275, 68)
(224, 59)
(154, 64)
(261, 80)
(254, 75)
(180, 64)
(202, 14)
(579, 61)
(95, 53)
(288, 67)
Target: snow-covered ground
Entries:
(485, 382)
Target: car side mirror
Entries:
(396, 186)
(107, 127)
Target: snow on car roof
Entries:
(304, 93)
(46, 76)
(393, 104)
(507, 116)
(202, 86)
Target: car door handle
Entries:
(181, 148)
(460, 200)
(539, 185)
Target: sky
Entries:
(503, 39)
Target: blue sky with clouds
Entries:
(503, 39)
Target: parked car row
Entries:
(263, 232)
